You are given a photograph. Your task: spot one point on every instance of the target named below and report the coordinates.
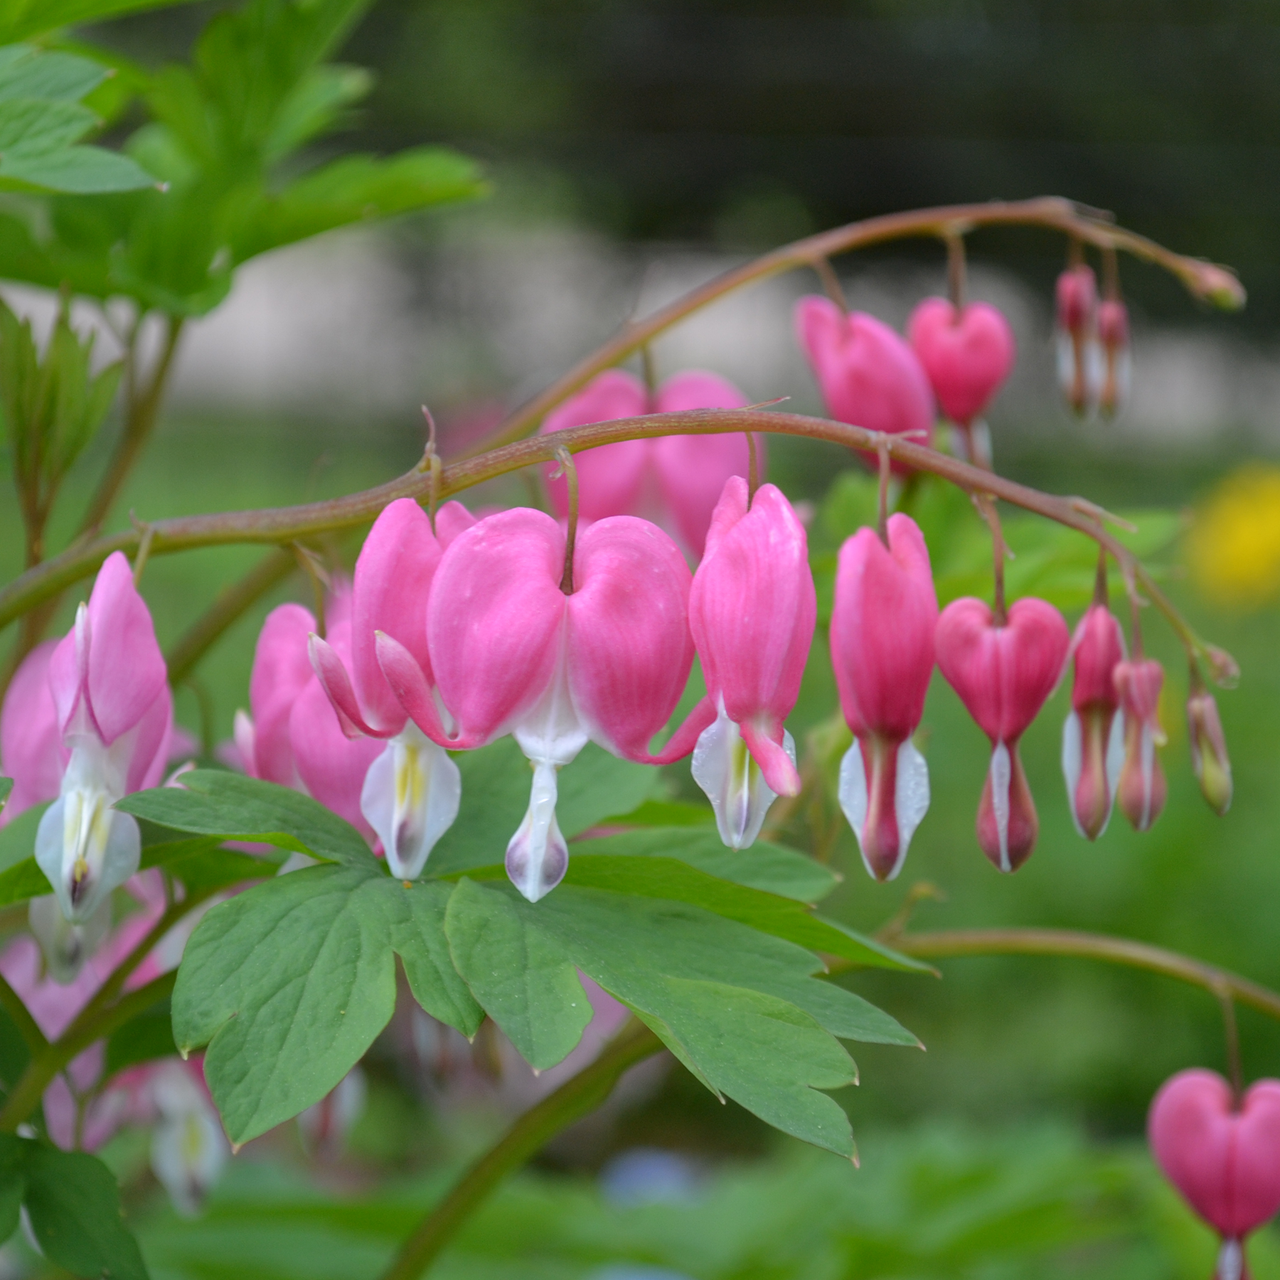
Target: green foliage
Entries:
(21, 19)
(6, 788)
(73, 1206)
(42, 122)
(142, 1039)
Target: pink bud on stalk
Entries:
(411, 791)
(1142, 789)
(967, 353)
(512, 653)
(1221, 1153)
(676, 479)
(115, 718)
(1077, 304)
(882, 648)
(869, 376)
(1113, 337)
(1003, 674)
(1093, 735)
(1209, 748)
(752, 612)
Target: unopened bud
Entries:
(1209, 750)
(1092, 738)
(1113, 335)
(1077, 305)
(1142, 789)
(1007, 820)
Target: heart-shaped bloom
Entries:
(752, 611)
(1003, 675)
(1142, 788)
(674, 480)
(882, 639)
(411, 791)
(1224, 1158)
(869, 376)
(31, 748)
(1209, 750)
(1113, 338)
(966, 352)
(1093, 735)
(512, 653)
(1076, 296)
(115, 718)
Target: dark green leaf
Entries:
(14, 1053)
(74, 1206)
(767, 866)
(22, 18)
(202, 865)
(13, 1183)
(290, 982)
(664, 813)
(233, 807)
(142, 1039)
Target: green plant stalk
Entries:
(577, 1097)
(83, 1032)
(287, 524)
(21, 1018)
(1204, 280)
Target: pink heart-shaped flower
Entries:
(967, 354)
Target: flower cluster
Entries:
(1093, 344)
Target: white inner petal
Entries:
(538, 856)
(1114, 762)
(852, 792)
(911, 797)
(1072, 751)
(66, 946)
(1001, 776)
(1148, 749)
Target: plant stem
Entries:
(1203, 279)
(21, 1018)
(285, 524)
(574, 1099)
(1092, 946)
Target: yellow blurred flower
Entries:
(1233, 547)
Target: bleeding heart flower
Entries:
(1113, 337)
(512, 653)
(1093, 735)
(1003, 675)
(31, 748)
(1209, 750)
(1077, 306)
(1142, 789)
(115, 718)
(869, 376)
(882, 648)
(411, 791)
(967, 354)
(675, 480)
(1223, 1158)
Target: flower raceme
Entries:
(1003, 673)
(869, 376)
(1093, 740)
(675, 479)
(1076, 296)
(752, 611)
(510, 652)
(882, 648)
(967, 353)
(1222, 1154)
(1142, 788)
(411, 790)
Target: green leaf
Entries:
(664, 813)
(6, 787)
(23, 882)
(495, 795)
(202, 865)
(13, 1183)
(14, 1053)
(76, 170)
(22, 18)
(74, 1207)
(142, 1039)
(30, 73)
(18, 839)
(232, 807)
(290, 982)
(771, 867)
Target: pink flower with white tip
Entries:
(1003, 674)
(115, 718)
(1142, 789)
(674, 479)
(967, 353)
(1222, 1153)
(752, 611)
(511, 652)
(412, 789)
(1093, 735)
(1076, 296)
(882, 649)
(868, 374)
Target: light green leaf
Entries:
(22, 882)
(30, 73)
(290, 982)
(31, 127)
(233, 807)
(771, 867)
(77, 170)
(18, 839)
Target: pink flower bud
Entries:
(967, 354)
(1142, 789)
(752, 611)
(675, 480)
(1223, 1158)
(31, 750)
(1077, 301)
(1113, 336)
(1003, 675)
(280, 673)
(1209, 750)
(513, 654)
(869, 376)
(882, 643)
(1093, 735)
